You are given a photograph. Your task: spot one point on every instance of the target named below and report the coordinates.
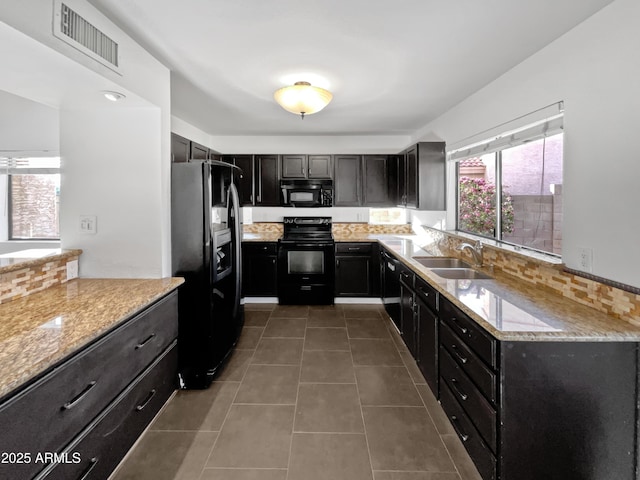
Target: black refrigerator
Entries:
(206, 244)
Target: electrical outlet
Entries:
(88, 224)
(72, 269)
(585, 259)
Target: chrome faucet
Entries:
(476, 252)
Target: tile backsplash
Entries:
(33, 278)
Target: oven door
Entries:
(306, 272)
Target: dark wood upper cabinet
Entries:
(348, 180)
(320, 166)
(199, 152)
(412, 178)
(420, 174)
(294, 166)
(267, 180)
(180, 148)
(245, 184)
(376, 181)
(306, 166)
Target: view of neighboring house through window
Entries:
(32, 197)
(514, 193)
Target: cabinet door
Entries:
(320, 166)
(199, 152)
(244, 183)
(348, 181)
(376, 181)
(267, 187)
(428, 345)
(294, 166)
(431, 166)
(411, 178)
(259, 269)
(407, 318)
(180, 148)
(353, 276)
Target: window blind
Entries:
(29, 165)
(511, 137)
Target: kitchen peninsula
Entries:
(80, 358)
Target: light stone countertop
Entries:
(514, 310)
(40, 330)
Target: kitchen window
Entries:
(32, 187)
(509, 188)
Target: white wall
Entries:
(113, 174)
(28, 127)
(595, 69)
(115, 158)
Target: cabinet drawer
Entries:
(106, 441)
(267, 248)
(478, 450)
(57, 407)
(475, 337)
(427, 293)
(355, 248)
(406, 275)
(477, 371)
(469, 397)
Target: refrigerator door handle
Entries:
(236, 232)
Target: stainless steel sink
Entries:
(441, 262)
(460, 273)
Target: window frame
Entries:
(497, 159)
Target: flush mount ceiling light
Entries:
(302, 98)
(113, 96)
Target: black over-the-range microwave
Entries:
(307, 193)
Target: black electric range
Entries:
(306, 262)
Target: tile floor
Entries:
(310, 393)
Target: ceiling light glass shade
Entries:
(302, 98)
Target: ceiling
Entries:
(392, 66)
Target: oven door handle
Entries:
(307, 245)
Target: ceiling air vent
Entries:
(75, 30)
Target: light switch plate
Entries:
(88, 224)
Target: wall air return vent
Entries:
(77, 31)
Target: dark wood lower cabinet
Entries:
(357, 267)
(260, 269)
(524, 410)
(527, 410)
(101, 447)
(135, 363)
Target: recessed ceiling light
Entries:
(113, 96)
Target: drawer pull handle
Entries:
(462, 436)
(354, 248)
(454, 348)
(142, 406)
(422, 290)
(145, 341)
(74, 401)
(391, 267)
(454, 385)
(461, 328)
(92, 464)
